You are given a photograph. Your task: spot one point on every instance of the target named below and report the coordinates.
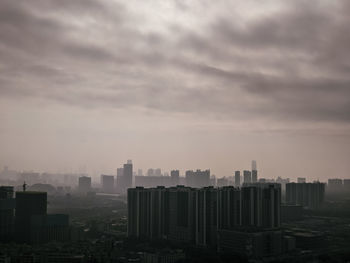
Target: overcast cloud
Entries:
(224, 67)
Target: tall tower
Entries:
(254, 165)
(254, 172)
(127, 174)
(237, 178)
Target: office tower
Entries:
(206, 216)
(127, 174)
(229, 207)
(120, 180)
(335, 185)
(301, 180)
(254, 176)
(28, 204)
(107, 183)
(84, 184)
(139, 172)
(309, 195)
(237, 178)
(175, 177)
(197, 178)
(247, 177)
(254, 168)
(7, 208)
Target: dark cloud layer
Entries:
(291, 64)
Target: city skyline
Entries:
(89, 84)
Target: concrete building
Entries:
(107, 183)
(309, 195)
(84, 184)
(247, 176)
(7, 209)
(175, 177)
(28, 204)
(237, 178)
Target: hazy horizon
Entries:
(86, 85)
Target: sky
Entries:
(200, 84)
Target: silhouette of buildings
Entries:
(107, 183)
(335, 185)
(28, 205)
(128, 175)
(7, 208)
(195, 215)
(237, 178)
(175, 177)
(198, 178)
(247, 176)
(301, 180)
(84, 184)
(309, 195)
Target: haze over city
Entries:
(85, 85)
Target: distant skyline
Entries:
(176, 85)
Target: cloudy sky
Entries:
(87, 84)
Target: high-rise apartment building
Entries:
(7, 208)
(206, 216)
(186, 214)
(28, 204)
(309, 195)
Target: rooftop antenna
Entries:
(24, 186)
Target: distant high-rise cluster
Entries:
(124, 177)
(310, 195)
(192, 215)
(198, 178)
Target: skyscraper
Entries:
(206, 216)
(147, 212)
(261, 206)
(247, 176)
(120, 180)
(229, 207)
(254, 172)
(237, 178)
(254, 165)
(128, 175)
